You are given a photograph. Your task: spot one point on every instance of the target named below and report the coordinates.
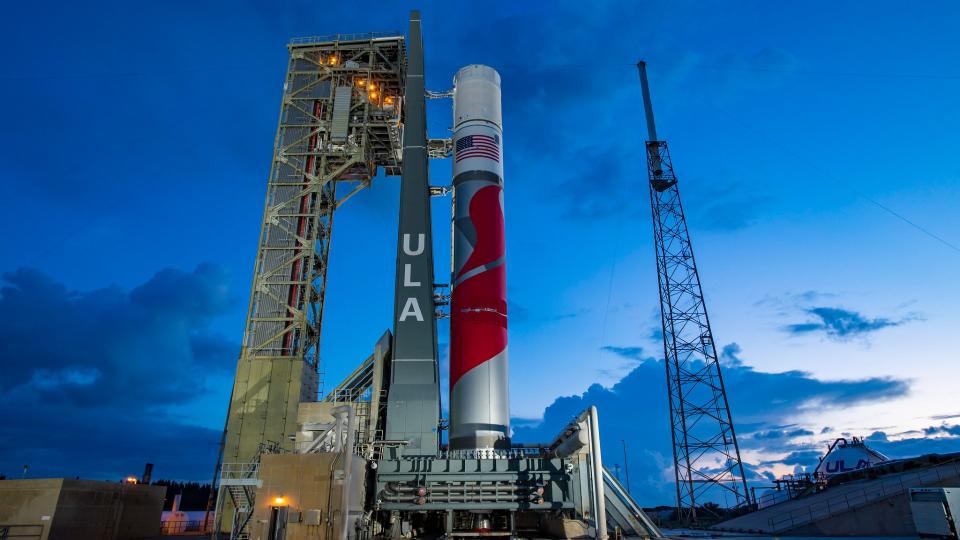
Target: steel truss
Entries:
(705, 451)
(340, 119)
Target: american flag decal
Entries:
(478, 146)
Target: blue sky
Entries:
(136, 139)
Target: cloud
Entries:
(943, 439)
(631, 353)
(781, 434)
(726, 74)
(87, 378)
(656, 334)
(802, 459)
(598, 184)
(521, 315)
(724, 205)
(840, 324)
(518, 313)
(635, 410)
(773, 59)
(943, 429)
(597, 178)
(604, 186)
(730, 355)
(786, 304)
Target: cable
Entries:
(912, 224)
(857, 192)
(839, 73)
(606, 310)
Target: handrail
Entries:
(238, 471)
(851, 500)
(179, 526)
(362, 36)
(636, 512)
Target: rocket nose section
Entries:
(476, 95)
(477, 71)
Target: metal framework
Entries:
(705, 451)
(706, 455)
(340, 119)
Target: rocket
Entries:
(479, 401)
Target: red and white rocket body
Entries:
(479, 384)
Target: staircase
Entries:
(242, 498)
(239, 482)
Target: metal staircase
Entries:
(239, 483)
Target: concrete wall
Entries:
(307, 482)
(71, 509)
(29, 505)
(888, 517)
(93, 509)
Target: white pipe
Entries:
(319, 440)
(347, 467)
(601, 504)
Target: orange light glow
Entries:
(388, 101)
(361, 82)
(130, 480)
(279, 501)
(373, 95)
(372, 86)
(333, 60)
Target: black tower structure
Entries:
(705, 452)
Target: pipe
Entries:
(521, 489)
(487, 499)
(399, 490)
(447, 495)
(347, 466)
(601, 504)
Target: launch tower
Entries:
(705, 453)
(339, 123)
(368, 459)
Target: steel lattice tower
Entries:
(335, 131)
(705, 452)
(340, 118)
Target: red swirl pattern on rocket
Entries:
(479, 327)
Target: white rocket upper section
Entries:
(477, 122)
(477, 91)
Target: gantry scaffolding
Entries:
(340, 122)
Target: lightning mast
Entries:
(705, 452)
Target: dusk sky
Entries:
(816, 145)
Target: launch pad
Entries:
(368, 460)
